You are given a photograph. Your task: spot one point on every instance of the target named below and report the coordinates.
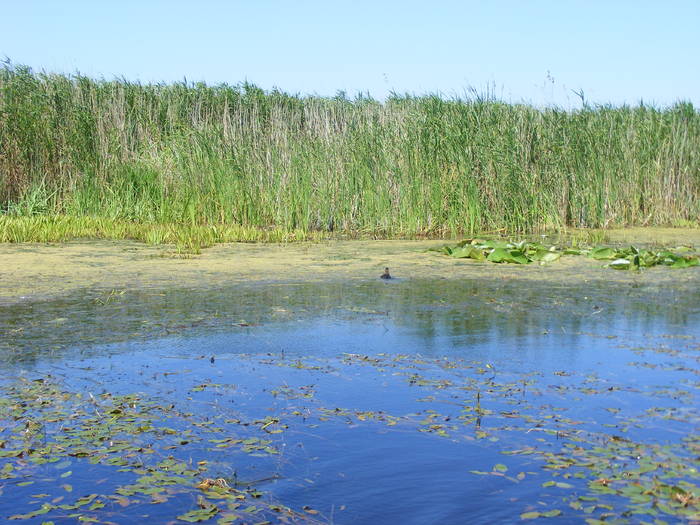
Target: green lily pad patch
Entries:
(526, 252)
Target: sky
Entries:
(536, 52)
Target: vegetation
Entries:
(180, 458)
(188, 238)
(525, 252)
(129, 436)
(193, 155)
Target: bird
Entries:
(386, 274)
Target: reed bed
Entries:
(148, 158)
(186, 238)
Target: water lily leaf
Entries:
(686, 262)
(227, 519)
(85, 500)
(465, 252)
(500, 467)
(550, 513)
(529, 515)
(46, 507)
(200, 514)
(550, 257)
(620, 264)
(498, 255)
(447, 250)
(517, 257)
(10, 453)
(477, 254)
(602, 253)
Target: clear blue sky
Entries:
(616, 51)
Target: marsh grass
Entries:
(187, 239)
(118, 159)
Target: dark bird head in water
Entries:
(386, 274)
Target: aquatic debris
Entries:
(208, 483)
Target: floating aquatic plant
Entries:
(525, 252)
(497, 251)
(632, 258)
(48, 432)
(595, 461)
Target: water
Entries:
(409, 401)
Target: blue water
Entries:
(358, 372)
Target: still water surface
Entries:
(409, 401)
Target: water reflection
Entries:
(436, 314)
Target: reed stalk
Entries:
(220, 156)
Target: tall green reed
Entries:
(194, 154)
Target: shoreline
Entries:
(44, 271)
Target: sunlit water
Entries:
(433, 401)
